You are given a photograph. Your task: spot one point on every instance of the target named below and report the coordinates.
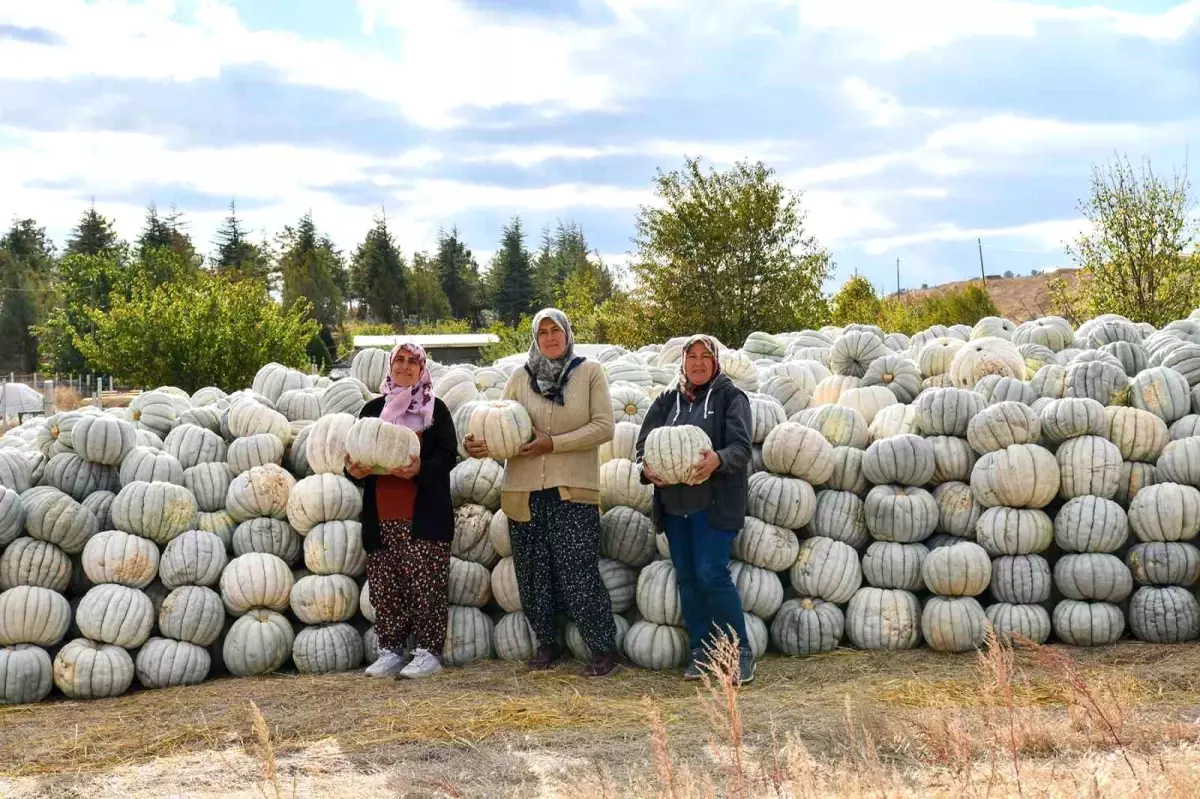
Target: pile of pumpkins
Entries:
(1035, 478)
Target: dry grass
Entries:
(1037, 722)
(117, 399)
(1016, 298)
(66, 399)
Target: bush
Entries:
(204, 332)
(855, 301)
(964, 306)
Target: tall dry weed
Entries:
(66, 399)
(720, 676)
(266, 752)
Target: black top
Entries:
(721, 410)
(433, 512)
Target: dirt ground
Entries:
(1061, 722)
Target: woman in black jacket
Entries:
(408, 522)
(701, 520)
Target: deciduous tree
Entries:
(1134, 258)
(728, 253)
(856, 301)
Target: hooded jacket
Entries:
(721, 410)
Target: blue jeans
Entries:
(706, 592)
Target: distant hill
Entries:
(1017, 298)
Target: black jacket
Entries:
(433, 512)
(722, 410)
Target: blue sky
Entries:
(912, 128)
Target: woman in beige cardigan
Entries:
(551, 492)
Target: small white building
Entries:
(442, 347)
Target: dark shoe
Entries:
(544, 658)
(601, 665)
(695, 667)
(746, 666)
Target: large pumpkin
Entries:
(799, 451)
(117, 557)
(158, 511)
(86, 669)
(116, 614)
(674, 452)
(806, 626)
(881, 618)
(381, 446)
(257, 643)
(780, 500)
(505, 426)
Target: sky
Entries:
(912, 129)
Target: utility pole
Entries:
(982, 273)
(897, 277)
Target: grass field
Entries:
(1116, 721)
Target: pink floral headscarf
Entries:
(408, 406)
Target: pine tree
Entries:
(565, 252)
(378, 276)
(236, 257)
(512, 276)
(26, 266)
(94, 235)
(155, 232)
(164, 251)
(312, 269)
(29, 244)
(426, 300)
(459, 276)
(545, 270)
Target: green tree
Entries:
(727, 253)
(459, 276)
(426, 300)
(1133, 259)
(85, 283)
(20, 312)
(563, 252)
(378, 276)
(856, 301)
(93, 235)
(26, 292)
(29, 244)
(312, 270)
(206, 332)
(167, 233)
(511, 276)
(236, 257)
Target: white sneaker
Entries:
(389, 664)
(423, 664)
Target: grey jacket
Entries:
(722, 411)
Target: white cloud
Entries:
(446, 56)
(927, 162)
(888, 30)
(880, 108)
(1009, 133)
(716, 153)
(837, 217)
(1049, 234)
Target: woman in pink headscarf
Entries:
(408, 522)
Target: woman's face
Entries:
(699, 364)
(406, 369)
(551, 339)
